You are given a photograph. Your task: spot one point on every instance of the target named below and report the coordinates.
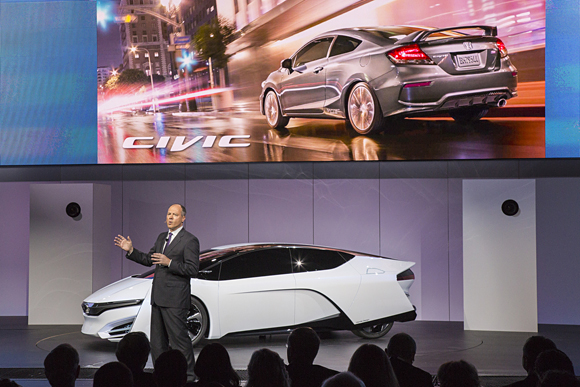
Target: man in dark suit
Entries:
(401, 351)
(176, 256)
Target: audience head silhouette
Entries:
(403, 347)
(557, 378)
(343, 379)
(303, 345)
(553, 359)
(61, 366)
(214, 365)
(371, 364)
(170, 369)
(532, 348)
(267, 369)
(113, 374)
(458, 374)
(133, 351)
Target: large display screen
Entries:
(505, 92)
(48, 103)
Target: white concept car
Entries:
(268, 288)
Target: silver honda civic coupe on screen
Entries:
(368, 75)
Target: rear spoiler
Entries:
(420, 36)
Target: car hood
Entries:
(129, 288)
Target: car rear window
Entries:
(305, 260)
(399, 32)
(343, 44)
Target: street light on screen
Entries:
(135, 49)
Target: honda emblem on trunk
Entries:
(468, 45)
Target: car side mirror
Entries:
(287, 64)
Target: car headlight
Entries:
(95, 309)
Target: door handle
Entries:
(318, 69)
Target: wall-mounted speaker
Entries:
(510, 207)
(73, 210)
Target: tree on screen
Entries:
(211, 41)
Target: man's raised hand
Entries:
(124, 243)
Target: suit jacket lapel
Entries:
(173, 243)
(160, 243)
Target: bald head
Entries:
(175, 217)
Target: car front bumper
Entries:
(112, 324)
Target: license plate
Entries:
(468, 60)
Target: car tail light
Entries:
(502, 49)
(417, 84)
(406, 275)
(411, 54)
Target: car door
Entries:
(256, 291)
(302, 90)
(325, 284)
(342, 64)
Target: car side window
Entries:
(317, 49)
(304, 260)
(210, 273)
(258, 263)
(344, 44)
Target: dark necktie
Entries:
(168, 242)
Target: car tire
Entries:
(374, 331)
(363, 110)
(468, 114)
(197, 321)
(273, 112)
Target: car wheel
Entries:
(468, 114)
(273, 113)
(374, 331)
(364, 112)
(197, 321)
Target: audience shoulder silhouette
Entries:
(170, 369)
(113, 374)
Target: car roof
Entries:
(389, 34)
(371, 31)
(243, 247)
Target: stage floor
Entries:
(497, 355)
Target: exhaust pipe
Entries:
(501, 102)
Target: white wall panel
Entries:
(499, 256)
(66, 255)
(280, 210)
